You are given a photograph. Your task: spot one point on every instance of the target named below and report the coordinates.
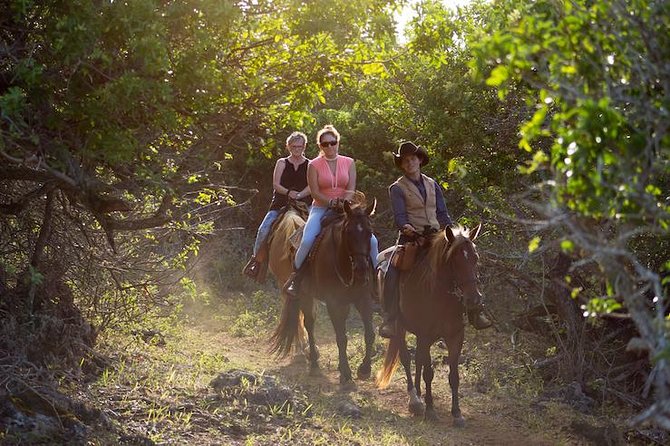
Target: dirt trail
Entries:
(494, 413)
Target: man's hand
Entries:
(408, 230)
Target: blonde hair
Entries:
(327, 129)
(295, 135)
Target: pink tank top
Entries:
(332, 186)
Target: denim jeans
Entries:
(264, 229)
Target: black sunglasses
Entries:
(328, 143)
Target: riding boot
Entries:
(390, 305)
(292, 285)
(477, 319)
(387, 328)
(252, 268)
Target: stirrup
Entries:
(291, 285)
(387, 331)
(252, 268)
(387, 328)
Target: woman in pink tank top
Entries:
(329, 176)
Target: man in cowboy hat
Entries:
(418, 205)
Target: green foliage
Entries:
(144, 115)
(595, 75)
(605, 157)
(260, 313)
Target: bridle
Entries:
(460, 284)
(350, 257)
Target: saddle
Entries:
(335, 215)
(329, 219)
(298, 206)
(405, 256)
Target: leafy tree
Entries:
(124, 125)
(597, 77)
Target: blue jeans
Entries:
(311, 231)
(264, 229)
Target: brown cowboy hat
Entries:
(409, 148)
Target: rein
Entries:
(457, 284)
(344, 282)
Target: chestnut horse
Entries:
(339, 273)
(280, 253)
(431, 309)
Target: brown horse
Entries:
(339, 273)
(280, 254)
(431, 309)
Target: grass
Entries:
(163, 392)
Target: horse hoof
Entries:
(459, 421)
(417, 409)
(364, 372)
(430, 415)
(348, 386)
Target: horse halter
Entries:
(472, 278)
(352, 254)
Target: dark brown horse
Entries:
(339, 273)
(431, 309)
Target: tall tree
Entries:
(122, 123)
(597, 76)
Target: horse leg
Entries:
(303, 340)
(423, 358)
(364, 307)
(338, 316)
(415, 405)
(455, 345)
(309, 319)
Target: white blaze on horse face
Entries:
(359, 227)
(465, 254)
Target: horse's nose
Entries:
(361, 269)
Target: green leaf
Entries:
(498, 75)
(567, 246)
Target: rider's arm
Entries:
(351, 185)
(399, 209)
(304, 193)
(441, 208)
(276, 177)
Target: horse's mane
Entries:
(439, 251)
(287, 225)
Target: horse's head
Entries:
(356, 233)
(463, 262)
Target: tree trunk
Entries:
(570, 316)
(40, 245)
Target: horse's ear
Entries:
(476, 232)
(449, 234)
(370, 210)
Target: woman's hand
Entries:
(293, 195)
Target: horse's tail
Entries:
(390, 362)
(286, 332)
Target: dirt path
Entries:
(498, 411)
